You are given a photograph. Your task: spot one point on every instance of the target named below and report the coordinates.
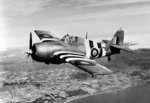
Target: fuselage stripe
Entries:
(99, 45)
(70, 59)
(104, 52)
(67, 52)
(88, 49)
(91, 43)
(95, 45)
(101, 51)
(70, 55)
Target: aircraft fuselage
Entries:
(44, 51)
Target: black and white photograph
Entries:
(74, 51)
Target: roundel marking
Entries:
(85, 63)
(94, 52)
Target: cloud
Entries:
(113, 4)
(21, 8)
(73, 16)
(14, 8)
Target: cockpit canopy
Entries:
(73, 39)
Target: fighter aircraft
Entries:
(75, 50)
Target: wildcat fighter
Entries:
(75, 50)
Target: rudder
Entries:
(118, 39)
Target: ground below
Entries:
(24, 81)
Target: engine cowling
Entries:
(43, 52)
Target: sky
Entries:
(100, 18)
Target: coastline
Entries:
(110, 91)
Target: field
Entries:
(23, 80)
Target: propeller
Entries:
(30, 46)
(28, 54)
(30, 41)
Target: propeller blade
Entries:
(30, 41)
(28, 55)
(30, 47)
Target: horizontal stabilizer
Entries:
(106, 41)
(121, 48)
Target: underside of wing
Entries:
(89, 66)
(45, 35)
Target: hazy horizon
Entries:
(100, 18)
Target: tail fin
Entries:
(118, 38)
(118, 41)
(116, 44)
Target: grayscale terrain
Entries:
(25, 81)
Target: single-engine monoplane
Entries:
(75, 50)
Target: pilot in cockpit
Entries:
(72, 39)
(69, 39)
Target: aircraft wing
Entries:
(87, 65)
(45, 35)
